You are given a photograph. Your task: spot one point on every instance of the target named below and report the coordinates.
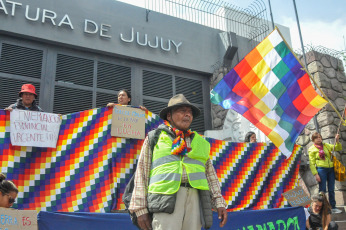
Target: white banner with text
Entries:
(37, 129)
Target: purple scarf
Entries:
(320, 151)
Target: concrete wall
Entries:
(107, 26)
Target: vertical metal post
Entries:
(305, 62)
(271, 14)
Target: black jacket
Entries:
(19, 105)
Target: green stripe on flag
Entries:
(281, 69)
(282, 49)
(278, 90)
(215, 97)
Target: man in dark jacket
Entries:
(27, 100)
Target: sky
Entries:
(322, 23)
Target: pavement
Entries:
(340, 218)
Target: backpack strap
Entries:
(331, 150)
(153, 136)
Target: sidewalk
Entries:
(340, 218)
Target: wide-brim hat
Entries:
(178, 101)
(28, 88)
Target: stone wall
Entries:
(218, 114)
(329, 75)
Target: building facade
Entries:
(79, 54)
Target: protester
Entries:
(170, 179)
(250, 137)
(8, 192)
(322, 167)
(124, 98)
(320, 214)
(27, 100)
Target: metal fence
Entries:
(323, 50)
(251, 22)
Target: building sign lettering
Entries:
(143, 41)
(10, 8)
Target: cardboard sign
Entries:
(37, 129)
(297, 197)
(12, 219)
(128, 122)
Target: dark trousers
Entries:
(327, 175)
(332, 226)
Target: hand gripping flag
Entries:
(270, 88)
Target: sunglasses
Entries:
(10, 199)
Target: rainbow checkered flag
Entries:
(270, 88)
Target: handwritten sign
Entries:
(11, 219)
(128, 122)
(297, 197)
(31, 128)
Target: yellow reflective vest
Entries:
(166, 169)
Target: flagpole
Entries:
(317, 127)
(306, 69)
(337, 132)
(271, 14)
(300, 34)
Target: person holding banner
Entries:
(8, 192)
(27, 100)
(322, 167)
(176, 179)
(124, 98)
(320, 214)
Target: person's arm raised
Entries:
(111, 105)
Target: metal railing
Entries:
(251, 22)
(322, 50)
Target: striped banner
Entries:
(254, 175)
(89, 169)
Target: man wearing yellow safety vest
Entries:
(175, 179)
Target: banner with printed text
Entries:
(89, 169)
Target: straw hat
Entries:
(178, 101)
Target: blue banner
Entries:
(267, 219)
(84, 220)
